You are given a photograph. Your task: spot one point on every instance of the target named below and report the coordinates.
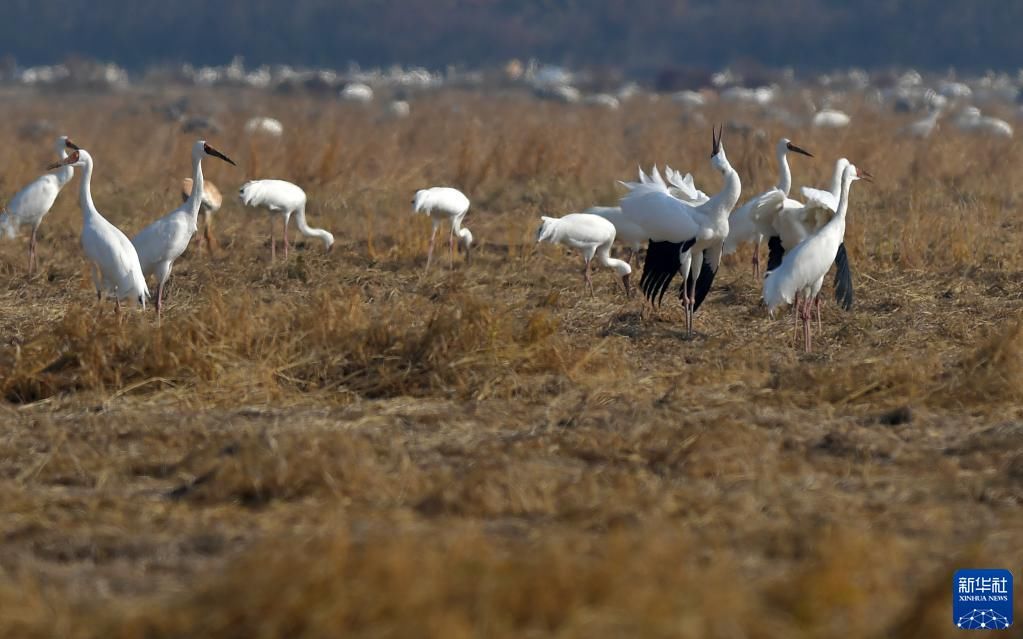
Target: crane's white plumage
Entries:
(30, 205)
(752, 221)
(683, 238)
(627, 232)
(803, 268)
(282, 199)
(591, 235)
(211, 202)
(163, 241)
(115, 264)
(445, 205)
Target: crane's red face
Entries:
(70, 159)
(71, 145)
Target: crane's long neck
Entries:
(66, 172)
(722, 203)
(85, 192)
(785, 177)
(195, 198)
(604, 259)
(309, 231)
(836, 180)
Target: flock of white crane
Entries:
(685, 230)
(119, 266)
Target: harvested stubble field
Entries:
(342, 446)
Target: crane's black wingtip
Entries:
(843, 279)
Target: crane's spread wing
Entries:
(843, 279)
(663, 260)
(824, 198)
(684, 187)
(664, 218)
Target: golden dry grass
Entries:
(342, 446)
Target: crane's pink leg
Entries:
(586, 276)
(287, 219)
(159, 301)
(429, 253)
(756, 261)
(817, 307)
(806, 315)
(273, 240)
(32, 251)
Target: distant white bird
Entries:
(445, 205)
(265, 126)
(357, 92)
(684, 238)
(922, 128)
(115, 265)
(590, 235)
(282, 199)
(32, 203)
(830, 119)
(748, 222)
(163, 241)
(971, 121)
(803, 268)
(211, 202)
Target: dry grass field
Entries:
(341, 445)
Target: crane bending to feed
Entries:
(803, 268)
(115, 265)
(445, 205)
(211, 202)
(282, 199)
(683, 238)
(163, 241)
(592, 236)
(31, 204)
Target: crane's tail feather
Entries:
(775, 253)
(663, 260)
(843, 279)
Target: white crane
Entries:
(282, 199)
(924, 127)
(803, 268)
(592, 236)
(211, 202)
(684, 238)
(163, 241)
(971, 121)
(445, 205)
(31, 204)
(114, 263)
(746, 224)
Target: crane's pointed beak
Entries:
(715, 137)
(796, 149)
(865, 176)
(217, 154)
